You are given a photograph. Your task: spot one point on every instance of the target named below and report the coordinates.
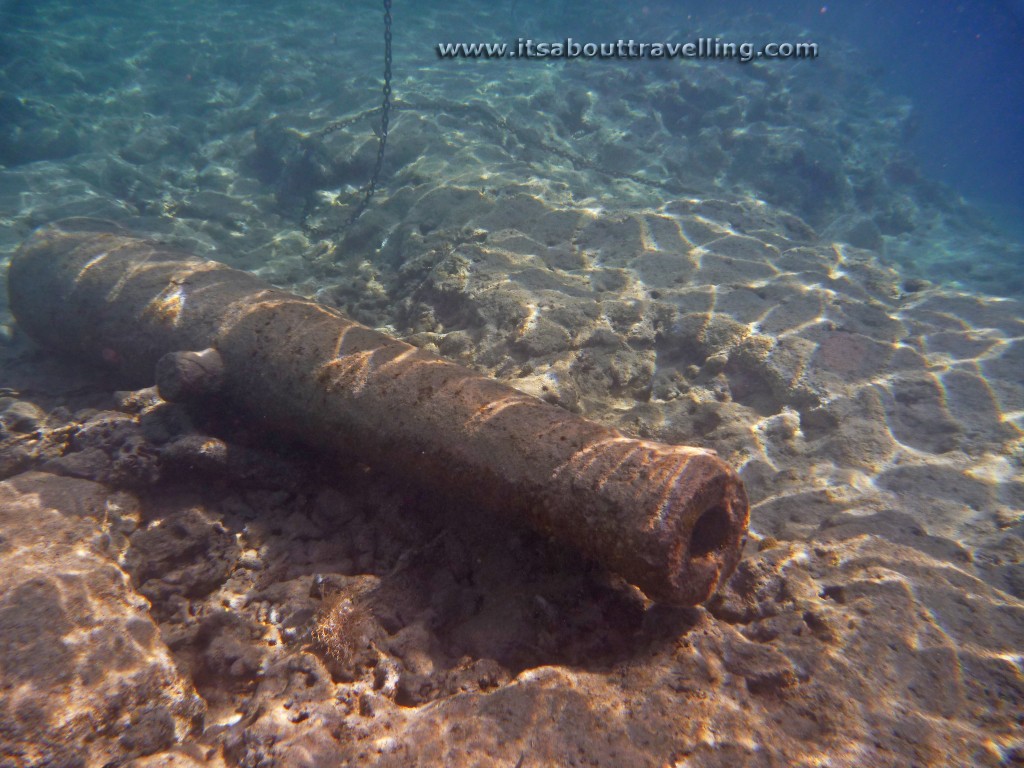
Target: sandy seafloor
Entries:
(785, 288)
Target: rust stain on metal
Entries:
(670, 519)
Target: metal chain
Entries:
(488, 114)
(385, 117)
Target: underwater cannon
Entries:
(669, 519)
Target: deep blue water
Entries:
(962, 64)
(753, 258)
(959, 63)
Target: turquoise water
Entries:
(809, 263)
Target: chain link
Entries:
(385, 118)
(486, 113)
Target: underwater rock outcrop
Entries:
(84, 676)
(670, 519)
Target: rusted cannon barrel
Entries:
(670, 519)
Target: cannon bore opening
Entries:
(711, 532)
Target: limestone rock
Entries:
(84, 676)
